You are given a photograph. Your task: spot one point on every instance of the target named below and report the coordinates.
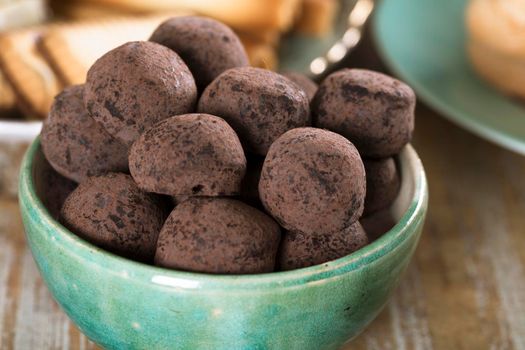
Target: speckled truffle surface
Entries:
(207, 46)
(374, 111)
(52, 188)
(191, 154)
(305, 83)
(111, 212)
(218, 235)
(313, 181)
(382, 184)
(299, 250)
(74, 144)
(136, 85)
(260, 105)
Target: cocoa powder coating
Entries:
(189, 155)
(218, 235)
(374, 111)
(111, 212)
(133, 87)
(313, 181)
(74, 144)
(260, 105)
(207, 46)
(300, 250)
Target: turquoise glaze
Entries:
(423, 42)
(121, 304)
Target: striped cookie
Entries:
(33, 81)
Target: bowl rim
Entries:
(29, 202)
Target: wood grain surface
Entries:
(465, 288)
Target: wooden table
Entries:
(465, 288)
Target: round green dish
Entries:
(121, 304)
(423, 42)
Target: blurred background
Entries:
(466, 61)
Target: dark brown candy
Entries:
(52, 188)
(207, 46)
(218, 235)
(300, 250)
(305, 83)
(191, 154)
(260, 105)
(111, 212)
(382, 184)
(74, 144)
(313, 181)
(374, 111)
(136, 85)
(378, 223)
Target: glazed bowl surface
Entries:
(122, 304)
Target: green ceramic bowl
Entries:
(121, 304)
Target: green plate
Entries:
(423, 42)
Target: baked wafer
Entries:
(7, 96)
(496, 43)
(73, 48)
(261, 54)
(33, 81)
(268, 36)
(81, 11)
(317, 17)
(247, 14)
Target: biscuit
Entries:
(278, 14)
(317, 17)
(32, 78)
(496, 45)
(7, 96)
(73, 48)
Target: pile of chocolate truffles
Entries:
(188, 158)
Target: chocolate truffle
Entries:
(74, 144)
(374, 111)
(52, 188)
(207, 46)
(136, 85)
(300, 250)
(378, 223)
(260, 105)
(305, 83)
(382, 183)
(313, 181)
(191, 154)
(111, 212)
(218, 235)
